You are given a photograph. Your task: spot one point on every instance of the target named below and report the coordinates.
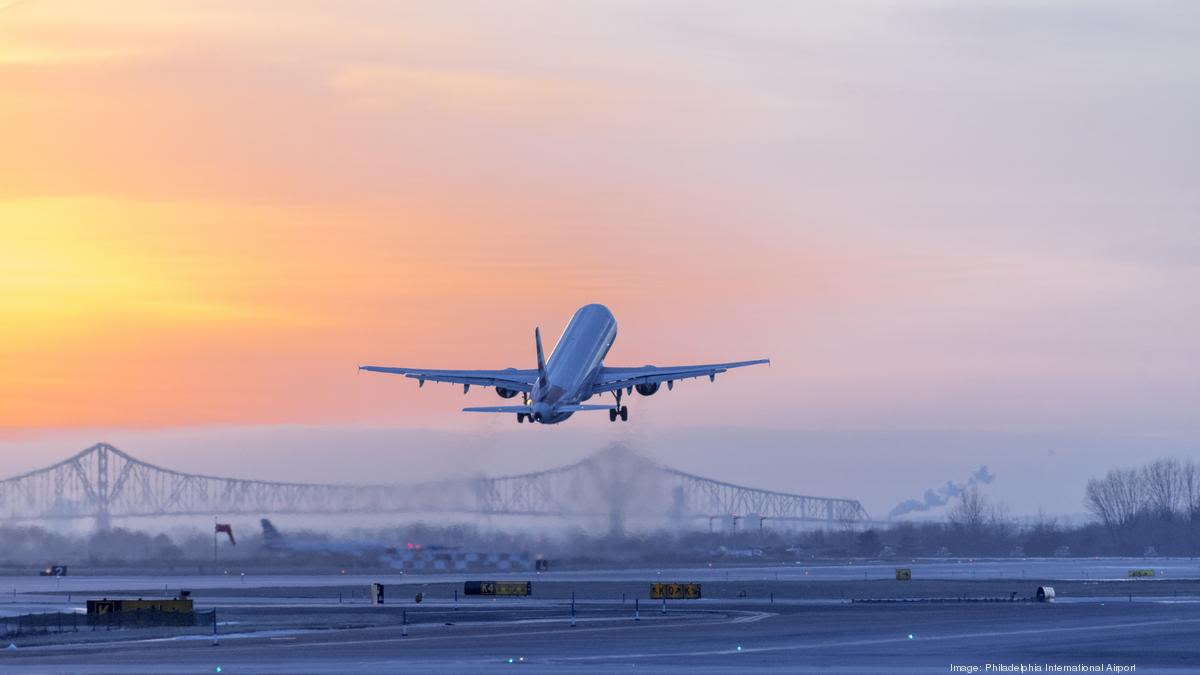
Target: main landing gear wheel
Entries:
(618, 409)
(521, 417)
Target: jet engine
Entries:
(648, 389)
(506, 393)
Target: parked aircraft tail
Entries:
(271, 536)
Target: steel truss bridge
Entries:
(613, 485)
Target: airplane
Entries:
(575, 372)
(275, 541)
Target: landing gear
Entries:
(521, 417)
(618, 409)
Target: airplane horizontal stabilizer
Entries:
(581, 408)
(525, 408)
(499, 409)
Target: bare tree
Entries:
(1190, 480)
(1117, 498)
(1162, 483)
(1098, 503)
(970, 512)
(974, 513)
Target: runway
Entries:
(787, 625)
(817, 638)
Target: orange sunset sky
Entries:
(929, 215)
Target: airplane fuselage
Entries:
(574, 364)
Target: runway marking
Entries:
(877, 641)
(754, 616)
(626, 623)
(688, 619)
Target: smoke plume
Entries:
(935, 497)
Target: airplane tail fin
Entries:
(541, 358)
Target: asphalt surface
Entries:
(721, 637)
(807, 626)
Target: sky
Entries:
(949, 225)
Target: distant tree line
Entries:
(1152, 509)
(1155, 505)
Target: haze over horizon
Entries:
(964, 234)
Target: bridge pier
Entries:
(616, 522)
(102, 519)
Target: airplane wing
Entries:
(611, 379)
(509, 378)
